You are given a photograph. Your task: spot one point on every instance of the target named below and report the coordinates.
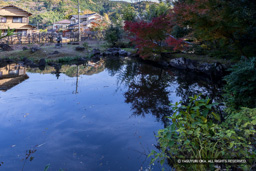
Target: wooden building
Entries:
(86, 21)
(15, 18)
(63, 24)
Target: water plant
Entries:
(48, 166)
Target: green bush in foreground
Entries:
(196, 133)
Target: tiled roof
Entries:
(63, 22)
(17, 8)
(84, 16)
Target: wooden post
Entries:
(79, 34)
(29, 38)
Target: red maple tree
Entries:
(152, 38)
(176, 44)
(149, 37)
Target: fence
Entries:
(87, 35)
(30, 38)
(51, 37)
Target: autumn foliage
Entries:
(203, 15)
(226, 27)
(151, 38)
(176, 44)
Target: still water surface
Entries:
(99, 116)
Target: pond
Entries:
(98, 116)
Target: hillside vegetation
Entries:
(46, 12)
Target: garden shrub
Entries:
(179, 32)
(198, 50)
(113, 35)
(86, 46)
(196, 133)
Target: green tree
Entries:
(156, 10)
(9, 33)
(129, 13)
(113, 35)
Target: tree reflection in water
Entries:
(190, 84)
(148, 87)
(113, 65)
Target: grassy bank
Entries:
(46, 51)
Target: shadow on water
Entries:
(146, 90)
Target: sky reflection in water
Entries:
(108, 123)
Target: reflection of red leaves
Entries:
(171, 73)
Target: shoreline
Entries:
(212, 67)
